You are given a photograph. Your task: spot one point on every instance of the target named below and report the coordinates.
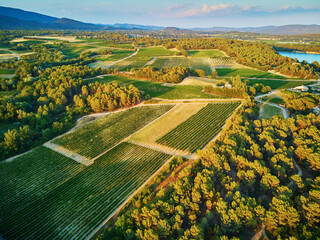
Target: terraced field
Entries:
(198, 130)
(75, 208)
(102, 134)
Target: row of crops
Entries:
(102, 134)
(75, 208)
(32, 175)
(222, 61)
(199, 129)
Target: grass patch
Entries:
(205, 53)
(279, 84)
(267, 111)
(4, 52)
(246, 72)
(102, 134)
(196, 81)
(7, 71)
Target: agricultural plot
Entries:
(166, 122)
(6, 71)
(220, 62)
(103, 134)
(78, 206)
(29, 177)
(246, 72)
(196, 81)
(278, 84)
(205, 53)
(198, 130)
(142, 58)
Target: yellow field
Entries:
(196, 81)
(167, 122)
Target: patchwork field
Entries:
(142, 58)
(98, 136)
(88, 197)
(199, 129)
(166, 122)
(246, 72)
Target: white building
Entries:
(301, 88)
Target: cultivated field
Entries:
(205, 53)
(30, 177)
(267, 111)
(221, 62)
(166, 122)
(246, 72)
(196, 81)
(198, 130)
(102, 134)
(75, 208)
(278, 84)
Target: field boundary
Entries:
(69, 154)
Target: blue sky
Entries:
(179, 13)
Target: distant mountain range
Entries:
(13, 18)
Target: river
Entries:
(302, 56)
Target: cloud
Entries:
(180, 11)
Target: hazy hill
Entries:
(26, 15)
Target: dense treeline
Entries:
(295, 47)
(243, 181)
(168, 75)
(299, 102)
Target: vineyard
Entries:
(46, 171)
(205, 53)
(75, 208)
(221, 61)
(198, 130)
(246, 72)
(102, 134)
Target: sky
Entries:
(179, 13)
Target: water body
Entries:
(302, 56)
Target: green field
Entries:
(155, 89)
(29, 177)
(205, 53)
(278, 84)
(267, 111)
(104, 133)
(246, 72)
(6, 71)
(198, 130)
(142, 58)
(74, 208)
(4, 52)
